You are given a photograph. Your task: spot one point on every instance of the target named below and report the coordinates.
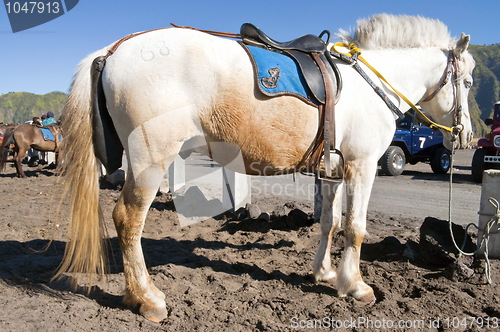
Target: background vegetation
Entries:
(486, 88)
(18, 107)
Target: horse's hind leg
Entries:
(129, 216)
(331, 214)
(349, 281)
(18, 161)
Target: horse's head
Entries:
(447, 102)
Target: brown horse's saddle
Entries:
(51, 133)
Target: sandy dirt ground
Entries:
(226, 274)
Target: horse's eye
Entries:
(467, 84)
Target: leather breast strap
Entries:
(328, 112)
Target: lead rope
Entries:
(355, 54)
(485, 237)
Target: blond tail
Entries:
(85, 253)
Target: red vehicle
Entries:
(487, 155)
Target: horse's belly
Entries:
(262, 136)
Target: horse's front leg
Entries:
(359, 185)
(129, 216)
(331, 215)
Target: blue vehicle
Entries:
(414, 143)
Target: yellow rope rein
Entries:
(353, 49)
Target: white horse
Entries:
(165, 87)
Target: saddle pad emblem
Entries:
(277, 74)
(272, 81)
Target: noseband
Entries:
(452, 71)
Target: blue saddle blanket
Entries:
(48, 136)
(278, 74)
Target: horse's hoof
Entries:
(364, 296)
(367, 300)
(153, 313)
(153, 310)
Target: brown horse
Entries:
(3, 129)
(27, 136)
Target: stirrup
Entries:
(335, 178)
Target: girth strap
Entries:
(328, 110)
(325, 140)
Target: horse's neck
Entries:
(411, 71)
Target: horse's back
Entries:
(170, 64)
(25, 133)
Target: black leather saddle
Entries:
(306, 43)
(300, 49)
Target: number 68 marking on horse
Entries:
(149, 53)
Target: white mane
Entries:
(386, 31)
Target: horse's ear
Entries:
(462, 44)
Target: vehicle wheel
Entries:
(478, 165)
(441, 161)
(393, 161)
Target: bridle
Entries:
(452, 72)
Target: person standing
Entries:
(34, 155)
